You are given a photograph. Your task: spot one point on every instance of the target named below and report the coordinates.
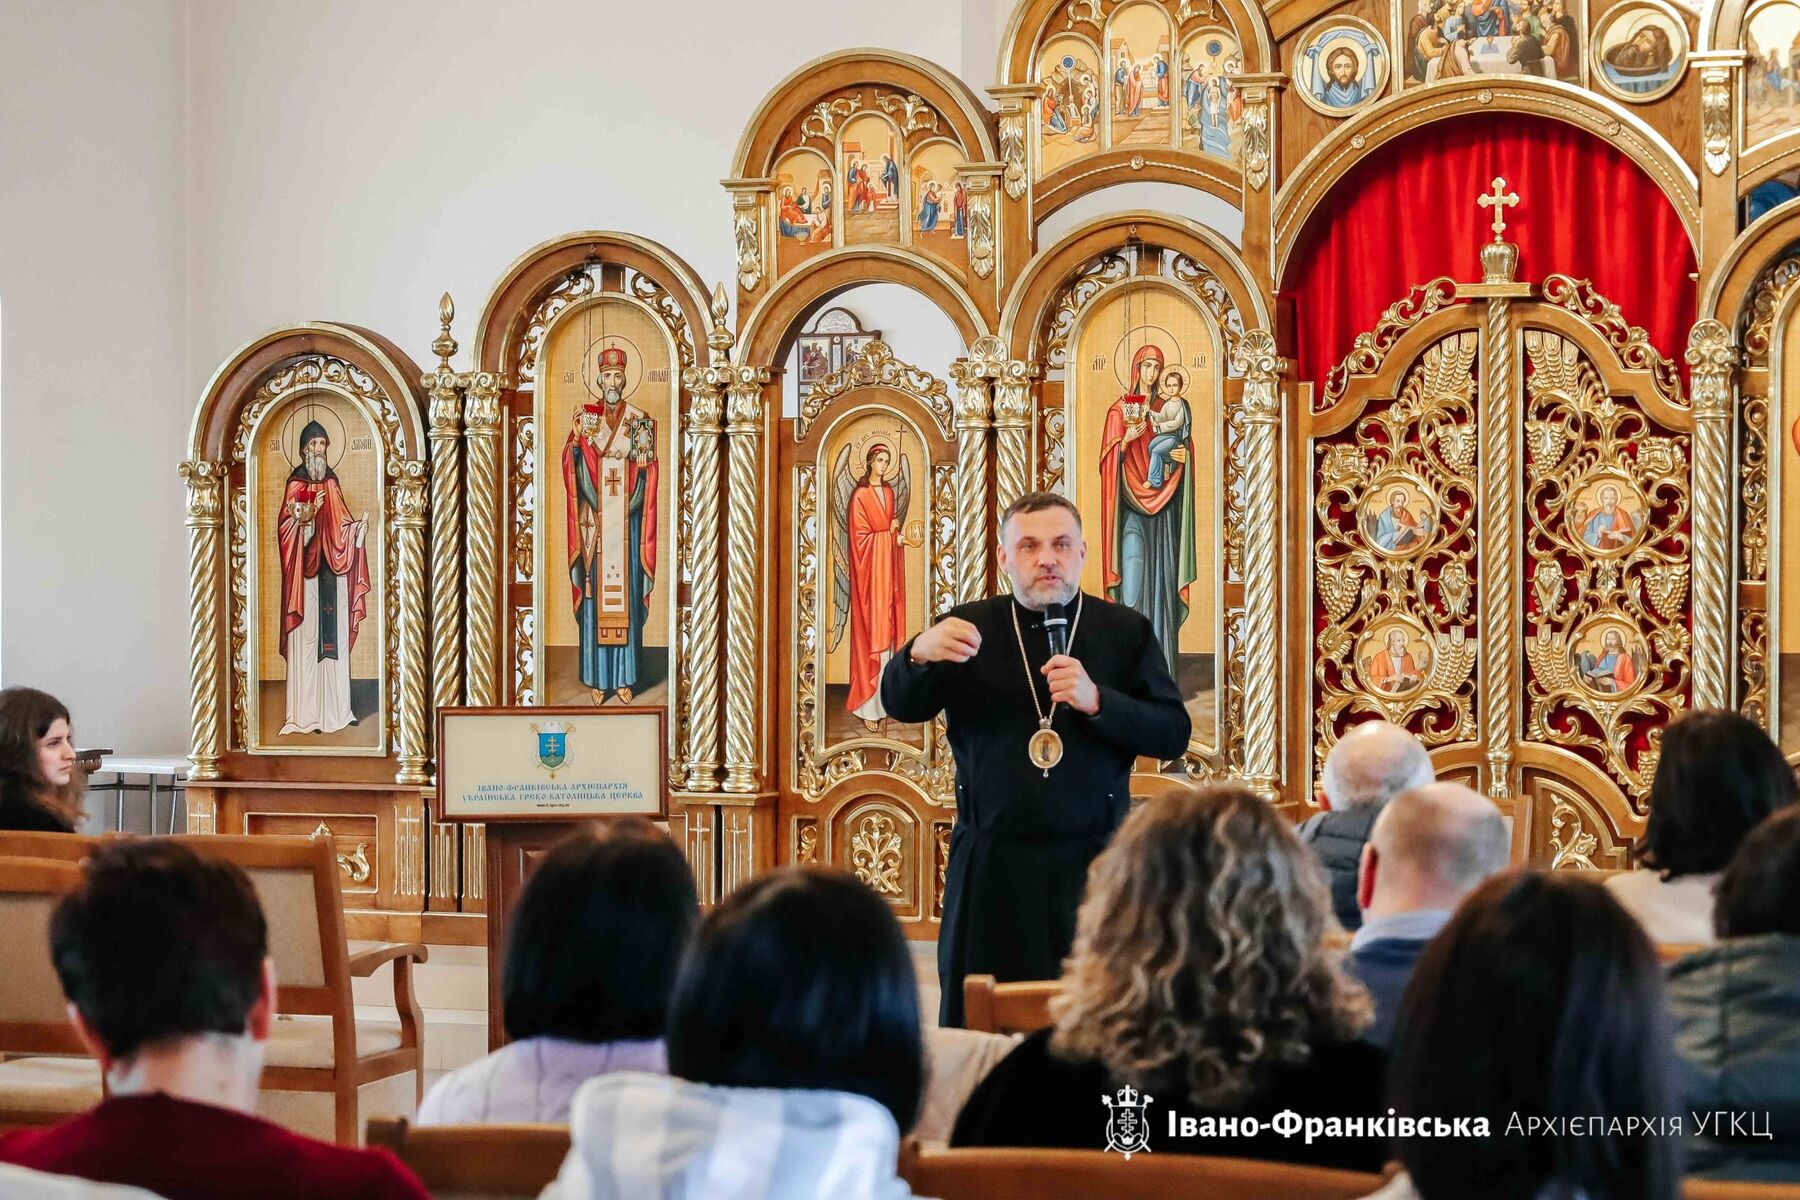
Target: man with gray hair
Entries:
(1370, 765)
(1430, 847)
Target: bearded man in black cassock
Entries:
(1025, 835)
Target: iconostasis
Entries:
(1482, 425)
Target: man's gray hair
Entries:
(1446, 830)
(1032, 502)
(1372, 764)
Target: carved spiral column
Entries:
(1012, 433)
(1262, 367)
(481, 437)
(743, 707)
(206, 629)
(1711, 358)
(445, 389)
(973, 376)
(700, 657)
(1501, 588)
(409, 584)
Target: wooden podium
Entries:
(536, 775)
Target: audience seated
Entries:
(37, 763)
(1540, 999)
(163, 956)
(1430, 847)
(1718, 774)
(1369, 766)
(795, 1047)
(1198, 976)
(1737, 1011)
(590, 961)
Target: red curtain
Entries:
(1407, 213)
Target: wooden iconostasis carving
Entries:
(1500, 513)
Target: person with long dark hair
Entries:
(1737, 1013)
(37, 763)
(1718, 775)
(590, 962)
(795, 1056)
(1200, 977)
(1538, 1006)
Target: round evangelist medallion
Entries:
(1609, 656)
(1394, 657)
(1045, 748)
(1397, 516)
(1607, 514)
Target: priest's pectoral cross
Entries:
(1499, 200)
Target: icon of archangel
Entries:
(871, 486)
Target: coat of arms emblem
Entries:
(1127, 1124)
(552, 746)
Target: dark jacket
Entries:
(1035, 1098)
(18, 814)
(1337, 840)
(1023, 839)
(1384, 966)
(1736, 1008)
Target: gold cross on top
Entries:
(1498, 200)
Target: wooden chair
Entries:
(1033, 1174)
(57, 1078)
(1721, 1189)
(1146, 785)
(992, 1007)
(57, 847)
(476, 1162)
(317, 1046)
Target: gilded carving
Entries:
(444, 388)
(1715, 118)
(354, 865)
(1370, 349)
(875, 853)
(1753, 474)
(1012, 152)
(1753, 662)
(1571, 845)
(806, 841)
(910, 110)
(1254, 357)
(973, 377)
(524, 496)
(524, 655)
(874, 365)
(1095, 276)
(822, 122)
(1392, 521)
(747, 233)
(239, 575)
(940, 840)
(700, 648)
(1210, 290)
(1711, 358)
(1254, 142)
(981, 232)
(1631, 343)
(1610, 664)
(410, 478)
(573, 286)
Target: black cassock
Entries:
(1023, 841)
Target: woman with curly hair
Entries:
(1199, 978)
(39, 785)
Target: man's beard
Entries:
(1038, 597)
(315, 467)
(612, 396)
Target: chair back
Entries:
(34, 1015)
(992, 1007)
(1144, 785)
(1032, 1174)
(476, 1162)
(58, 847)
(296, 879)
(1731, 1189)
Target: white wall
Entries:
(357, 161)
(177, 176)
(95, 394)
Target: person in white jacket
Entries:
(795, 1056)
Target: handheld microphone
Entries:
(1056, 628)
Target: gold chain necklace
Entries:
(1045, 747)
